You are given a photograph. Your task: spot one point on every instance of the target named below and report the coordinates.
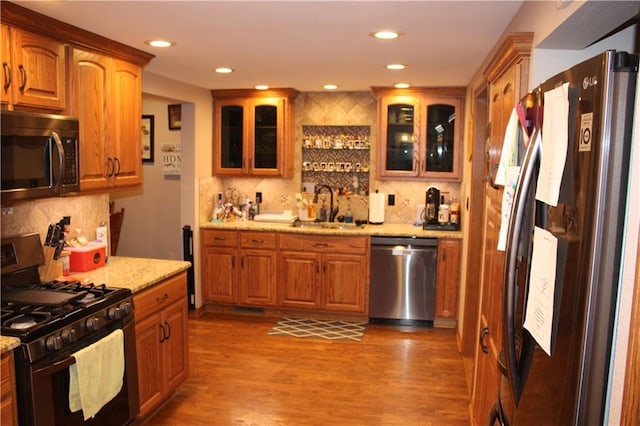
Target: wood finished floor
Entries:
(239, 375)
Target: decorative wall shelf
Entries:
(336, 155)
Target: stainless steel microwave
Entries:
(39, 155)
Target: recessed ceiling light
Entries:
(396, 67)
(223, 70)
(262, 87)
(160, 43)
(385, 35)
(330, 86)
(401, 85)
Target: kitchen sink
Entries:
(328, 225)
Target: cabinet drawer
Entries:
(214, 237)
(322, 243)
(160, 296)
(266, 240)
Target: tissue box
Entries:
(88, 257)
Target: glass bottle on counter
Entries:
(443, 212)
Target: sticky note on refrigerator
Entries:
(555, 139)
(539, 311)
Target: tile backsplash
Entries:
(329, 109)
(87, 212)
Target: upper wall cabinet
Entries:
(33, 71)
(420, 133)
(253, 132)
(110, 127)
(102, 81)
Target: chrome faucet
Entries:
(332, 212)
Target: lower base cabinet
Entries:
(324, 273)
(161, 314)
(448, 278)
(8, 403)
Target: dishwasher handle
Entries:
(404, 241)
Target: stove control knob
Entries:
(54, 342)
(126, 308)
(68, 335)
(92, 324)
(115, 313)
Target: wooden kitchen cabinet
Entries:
(161, 340)
(420, 133)
(253, 132)
(258, 264)
(239, 267)
(219, 255)
(327, 273)
(33, 71)
(8, 402)
(448, 278)
(104, 98)
(507, 75)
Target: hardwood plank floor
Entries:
(239, 375)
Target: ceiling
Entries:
(299, 44)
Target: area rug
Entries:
(320, 329)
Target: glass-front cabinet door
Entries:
(251, 130)
(232, 135)
(420, 133)
(441, 139)
(268, 134)
(398, 130)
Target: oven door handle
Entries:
(56, 366)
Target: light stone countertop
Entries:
(387, 230)
(133, 273)
(126, 272)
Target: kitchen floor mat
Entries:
(320, 329)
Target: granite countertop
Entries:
(132, 272)
(126, 272)
(388, 230)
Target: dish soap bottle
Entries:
(323, 211)
(348, 217)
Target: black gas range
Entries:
(53, 320)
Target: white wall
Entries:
(196, 137)
(151, 228)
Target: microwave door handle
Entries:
(60, 151)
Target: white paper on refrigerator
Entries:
(542, 286)
(555, 138)
(510, 183)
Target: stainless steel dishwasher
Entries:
(403, 276)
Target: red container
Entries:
(87, 258)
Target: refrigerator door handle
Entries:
(509, 302)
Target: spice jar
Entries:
(443, 212)
(455, 212)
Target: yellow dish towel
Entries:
(97, 375)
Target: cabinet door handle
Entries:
(162, 338)
(168, 330)
(162, 298)
(321, 245)
(219, 238)
(483, 334)
(242, 262)
(233, 262)
(23, 72)
(257, 241)
(117, 161)
(7, 75)
(317, 266)
(324, 267)
(110, 167)
(444, 254)
(422, 166)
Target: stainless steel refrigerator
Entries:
(566, 383)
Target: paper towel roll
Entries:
(376, 208)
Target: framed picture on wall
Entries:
(147, 138)
(175, 117)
